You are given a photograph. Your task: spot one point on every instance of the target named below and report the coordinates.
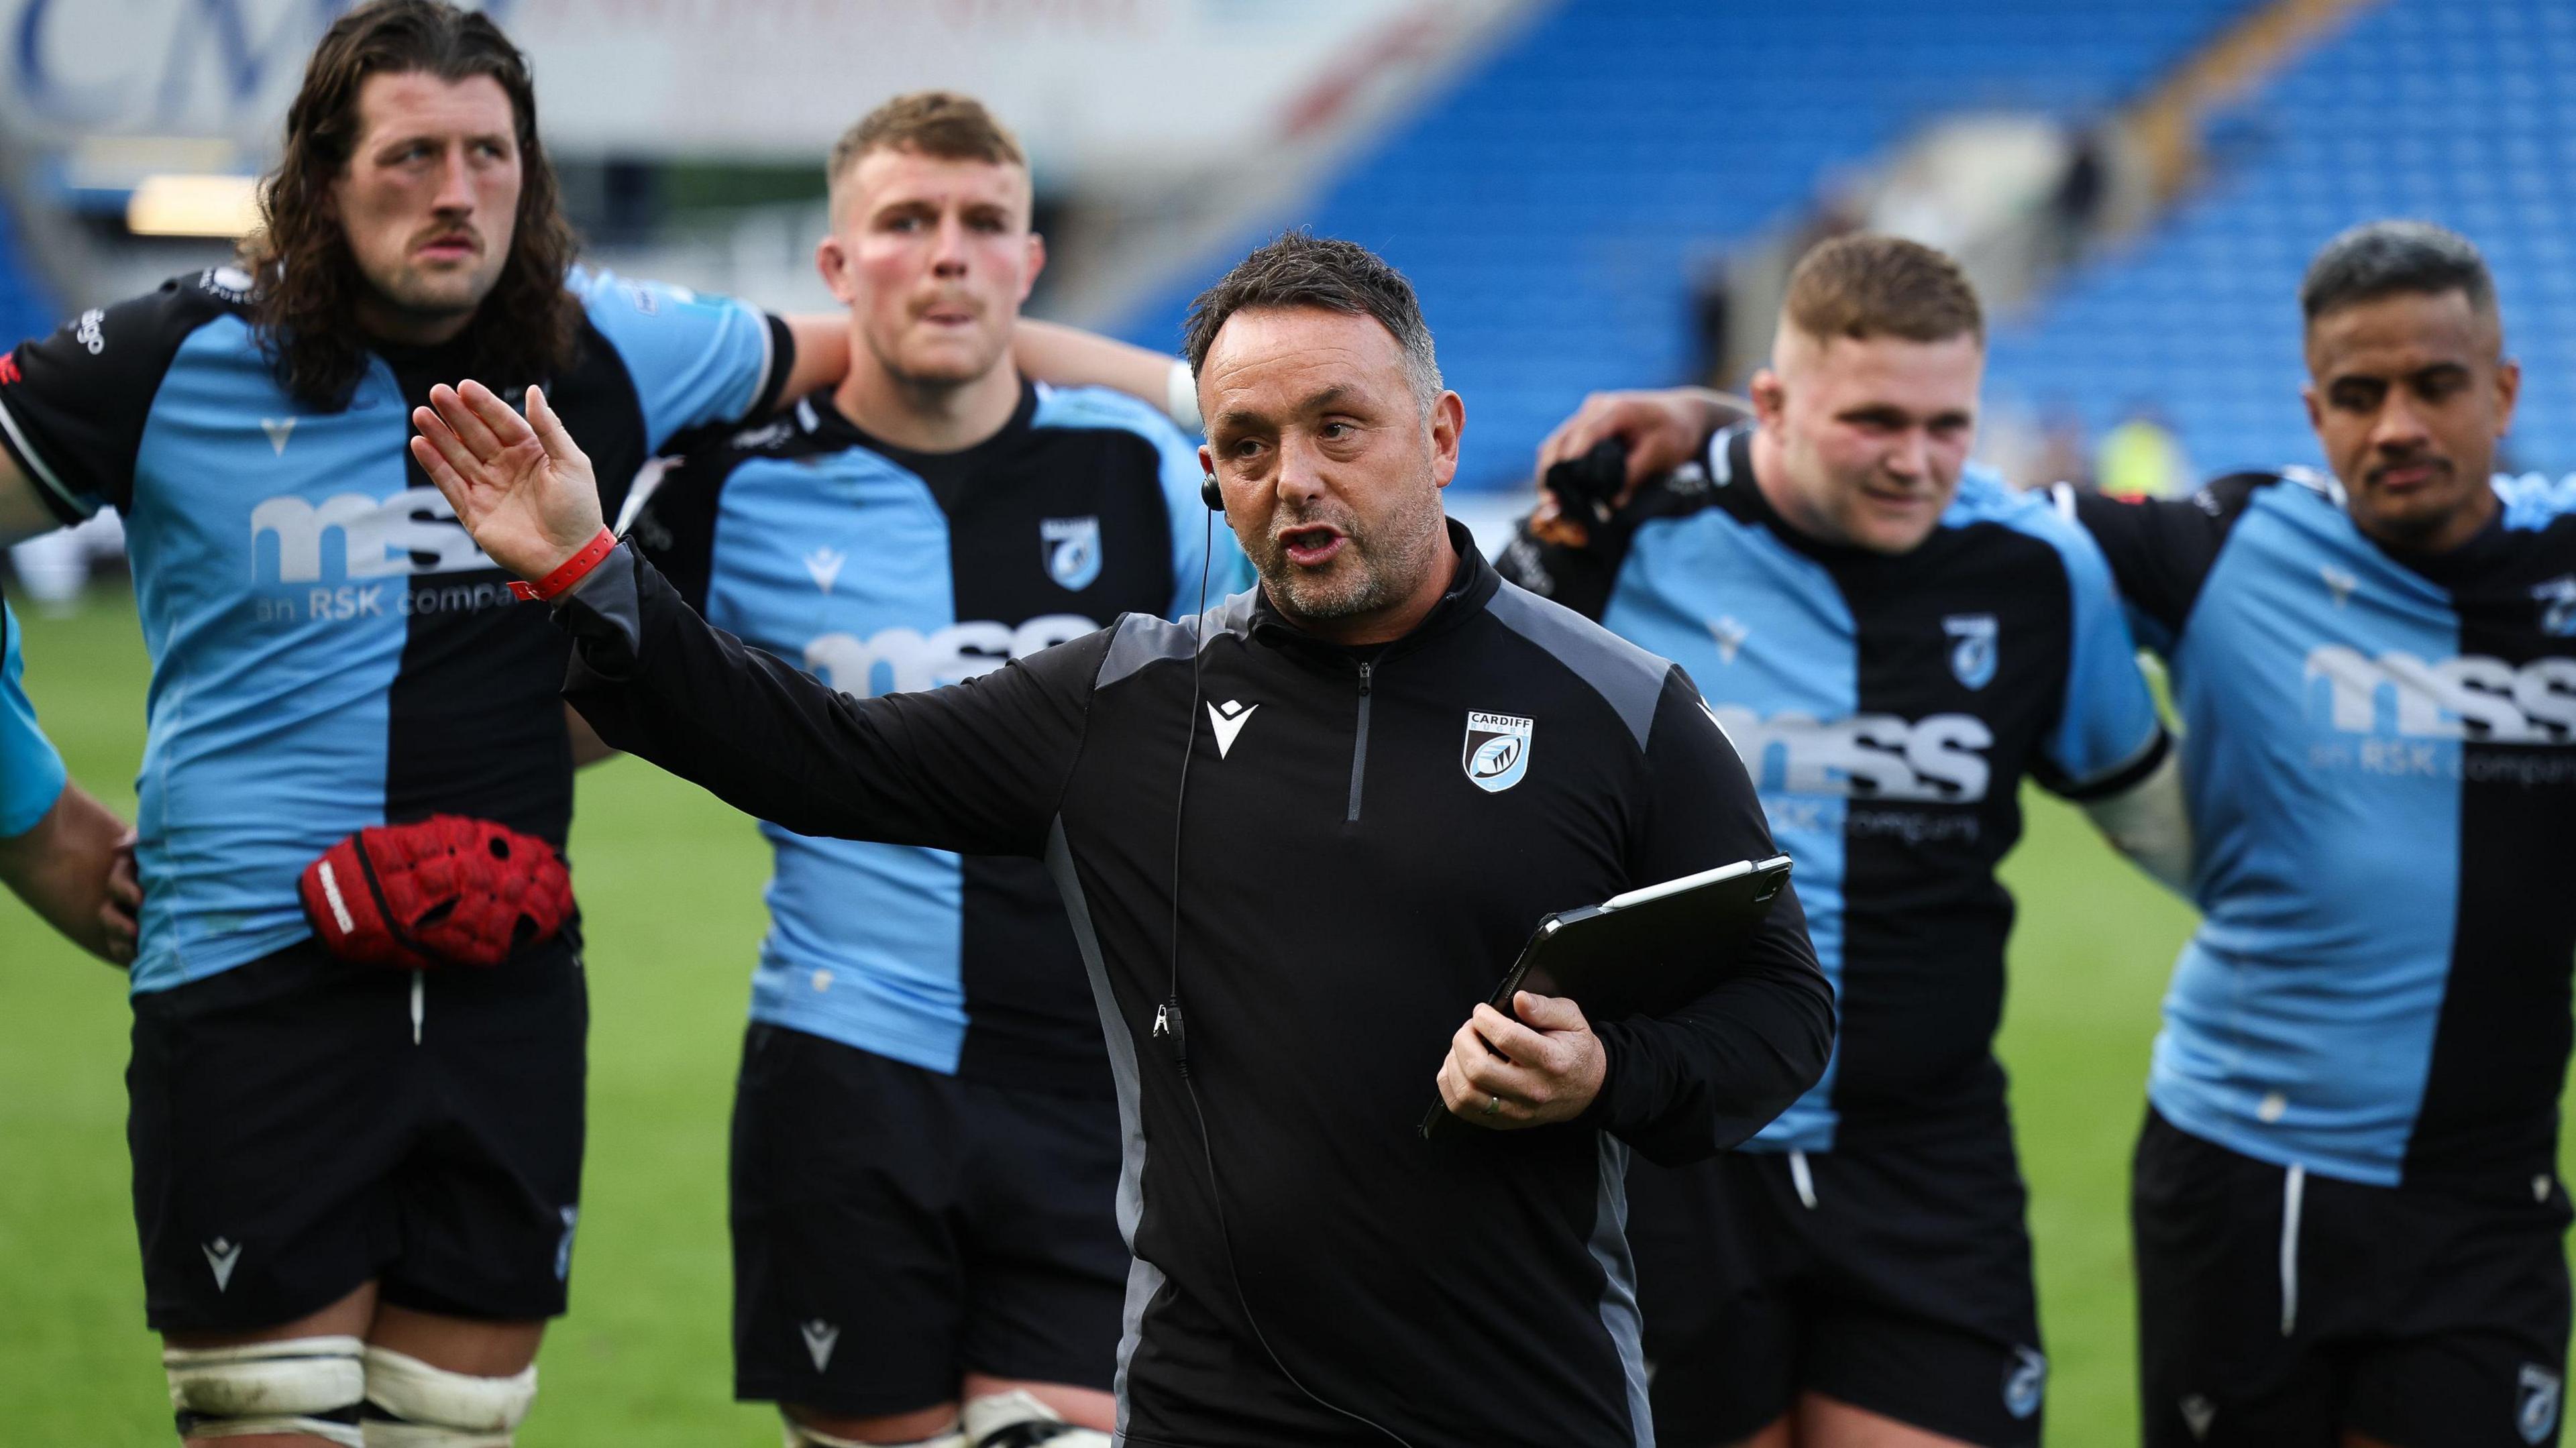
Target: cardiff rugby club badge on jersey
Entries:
(1071, 547)
(2557, 599)
(1497, 751)
(1972, 647)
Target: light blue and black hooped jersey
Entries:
(329, 648)
(2380, 753)
(31, 773)
(880, 570)
(1888, 709)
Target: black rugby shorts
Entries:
(1894, 1277)
(2428, 1317)
(895, 1228)
(293, 1140)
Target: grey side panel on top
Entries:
(1619, 1315)
(1144, 639)
(1627, 677)
(1143, 1278)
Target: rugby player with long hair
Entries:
(356, 1086)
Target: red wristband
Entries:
(574, 570)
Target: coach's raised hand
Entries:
(521, 486)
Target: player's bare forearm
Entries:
(67, 869)
(1071, 357)
(822, 354)
(1663, 428)
(2150, 822)
(22, 513)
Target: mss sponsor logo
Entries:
(2471, 697)
(903, 660)
(414, 531)
(1937, 759)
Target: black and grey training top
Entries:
(1370, 836)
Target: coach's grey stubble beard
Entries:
(1389, 560)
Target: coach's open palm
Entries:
(519, 485)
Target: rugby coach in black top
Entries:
(1347, 867)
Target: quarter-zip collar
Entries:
(1470, 589)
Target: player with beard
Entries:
(356, 1186)
(926, 1141)
(2347, 1215)
(2346, 1207)
(1895, 639)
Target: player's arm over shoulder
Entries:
(1578, 565)
(1070, 357)
(695, 360)
(2108, 750)
(2161, 550)
(1045, 351)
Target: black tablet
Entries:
(1644, 952)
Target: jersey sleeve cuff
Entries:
(782, 364)
(50, 790)
(2120, 780)
(69, 508)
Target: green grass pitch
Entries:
(670, 882)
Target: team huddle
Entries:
(1058, 1123)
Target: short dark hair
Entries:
(2384, 258)
(943, 125)
(1297, 269)
(308, 284)
(1865, 285)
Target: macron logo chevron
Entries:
(825, 565)
(1730, 637)
(820, 1338)
(221, 1255)
(1228, 719)
(279, 429)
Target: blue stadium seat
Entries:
(1550, 206)
(2452, 111)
